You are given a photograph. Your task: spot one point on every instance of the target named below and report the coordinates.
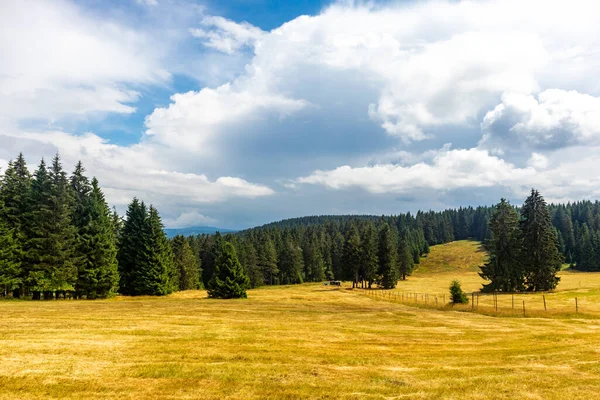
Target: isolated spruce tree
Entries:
(229, 280)
(405, 258)
(388, 258)
(133, 250)
(187, 265)
(457, 296)
(504, 267)
(369, 262)
(98, 275)
(351, 256)
(541, 259)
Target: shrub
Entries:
(457, 296)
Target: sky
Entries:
(238, 113)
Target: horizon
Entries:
(238, 114)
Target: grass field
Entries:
(305, 341)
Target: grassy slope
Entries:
(301, 341)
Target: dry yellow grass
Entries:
(306, 341)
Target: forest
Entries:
(59, 238)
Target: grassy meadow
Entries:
(304, 341)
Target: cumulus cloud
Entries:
(225, 35)
(555, 119)
(450, 169)
(57, 61)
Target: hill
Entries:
(195, 230)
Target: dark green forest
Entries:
(59, 238)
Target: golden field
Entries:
(305, 341)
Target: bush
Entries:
(457, 296)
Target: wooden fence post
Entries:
(576, 305)
(523, 307)
(544, 297)
(513, 301)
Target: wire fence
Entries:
(525, 304)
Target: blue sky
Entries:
(237, 113)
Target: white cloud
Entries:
(450, 169)
(557, 118)
(225, 35)
(58, 61)
(125, 172)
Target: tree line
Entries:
(58, 237)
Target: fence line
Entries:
(439, 302)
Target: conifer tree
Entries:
(388, 258)
(369, 262)
(98, 273)
(351, 255)
(291, 263)
(133, 250)
(405, 258)
(229, 280)
(10, 271)
(504, 268)
(157, 275)
(541, 259)
(314, 266)
(15, 195)
(186, 264)
(267, 260)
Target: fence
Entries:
(526, 304)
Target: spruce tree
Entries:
(229, 280)
(405, 258)
(186, 264)
(291, 263)
(369, 262)
(351, 255)
(15, 195)
(504, 269)
(10, 264)
(267, 260)
(388, 258)
(98, 275)
(314, 266)
(541, 259)
(157, 275)
(133, 251)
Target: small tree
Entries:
(457, 296)
(229, 280)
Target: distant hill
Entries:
(195, 230)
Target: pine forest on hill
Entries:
(59, 238)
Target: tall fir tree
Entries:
(187, 265)
(229, 280)
(15, 193)
(541, 259)
(504, 268)
(405, 258)
(267, 260)
(157, 275)
(314, 265)
(98, 275)
(388, 258)
(133, 250)
(10, 264)
(291, 263)
(369, 261)
(351, 255)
